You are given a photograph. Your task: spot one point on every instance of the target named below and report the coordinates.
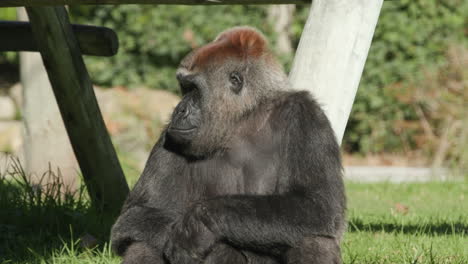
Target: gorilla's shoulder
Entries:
(297, 113)
(299, 105)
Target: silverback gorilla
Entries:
(247, 170)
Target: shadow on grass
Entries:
(434, 228)
(36, 219)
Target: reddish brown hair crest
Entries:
(239, 42)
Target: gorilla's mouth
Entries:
(182, 130)
(182, 135)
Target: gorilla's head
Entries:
(222, 83)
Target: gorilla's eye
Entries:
(236, 81)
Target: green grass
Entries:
(407, 223)
(388, 223)
(45, 224)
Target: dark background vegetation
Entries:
(412, 97)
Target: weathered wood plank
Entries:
(332, 52)
(43, 125)
(97, 41)
(78, 106)
(6, 3)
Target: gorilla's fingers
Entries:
(139, 252)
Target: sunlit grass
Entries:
(407, 223)
(71, 253)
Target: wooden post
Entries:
(332, 52)
(97, 41)
(45, 140)
(77, 103)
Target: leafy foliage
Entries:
(412, 38)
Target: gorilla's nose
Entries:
(185, 110)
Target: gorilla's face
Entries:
(213, 101)
(187, 116)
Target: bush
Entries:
(439, 101)
(412, 38)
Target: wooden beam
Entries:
(97, 41)
(6, 3)
(332, 52)
(78, 106)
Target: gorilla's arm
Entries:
(313, 203)
(270, 224)
(140, 224)
(142, 220)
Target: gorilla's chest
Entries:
(247, 168)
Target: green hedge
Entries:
(412, 37)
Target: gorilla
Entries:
(247, 170)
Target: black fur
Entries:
(262, 197)
(272, 192)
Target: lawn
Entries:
(407, 223)
(388, 223)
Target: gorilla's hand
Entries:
(190, 240)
